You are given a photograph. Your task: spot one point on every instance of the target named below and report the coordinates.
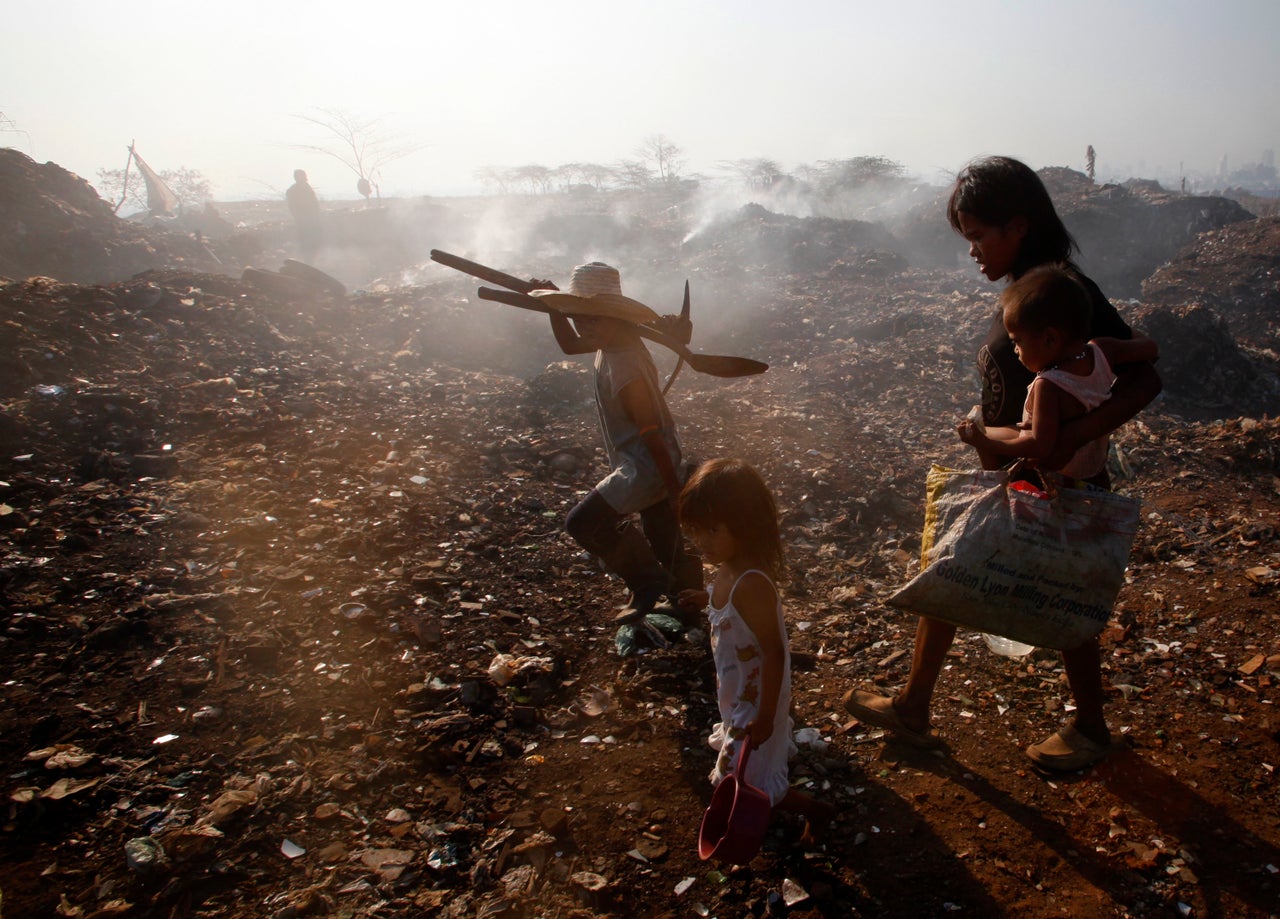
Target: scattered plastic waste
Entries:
(1007, 647)
(811, 738)
(793, 893)
(447, 856)
(144, 855)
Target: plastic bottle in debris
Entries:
(1007, 647)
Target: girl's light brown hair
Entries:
(730, 492)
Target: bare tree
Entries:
(634, 174)
(666, 157)
(836, 176)
(9, 126)
(361, 146)
(537, 179)
(571, 176)
(494, 178)
(599, 175)
(755, 173)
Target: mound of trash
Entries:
(292, 627)
(54, 224)
(1235, 271)
(755, 236)
(1203, 367)
(1125, 231)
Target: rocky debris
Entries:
(291, 627)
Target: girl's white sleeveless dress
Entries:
(738, 659)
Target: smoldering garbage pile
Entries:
(1215, 308)
(780, 244)
(263, 557)
(1126, 231)
(54, 224)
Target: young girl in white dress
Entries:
(728, 513)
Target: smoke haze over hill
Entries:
(1162, 90)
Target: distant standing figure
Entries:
(365, 188)
(1090, 158)
(305, 208)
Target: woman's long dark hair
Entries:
(996, 189)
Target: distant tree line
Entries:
(659, 162)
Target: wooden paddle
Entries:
(716, 365)
(483, 272)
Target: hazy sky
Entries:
(219, 87)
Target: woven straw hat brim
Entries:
(608, 306)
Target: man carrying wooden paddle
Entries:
(645, 457)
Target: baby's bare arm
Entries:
(1031, 441)
(1136, 385)
(1003, 434)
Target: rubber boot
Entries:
(632, 559)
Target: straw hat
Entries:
(596, 290)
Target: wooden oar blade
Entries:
(716, 365)
(725, 365)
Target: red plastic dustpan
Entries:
(734, 823)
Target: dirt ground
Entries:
(291, 627)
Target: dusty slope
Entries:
(260, 556)
(264, 557)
